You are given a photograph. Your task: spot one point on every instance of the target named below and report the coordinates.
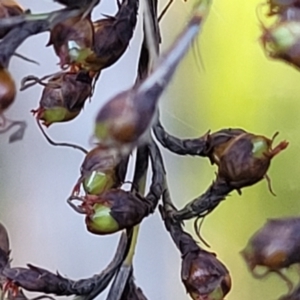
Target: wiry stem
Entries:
(26, 26)
(204, 204)
(178, 146)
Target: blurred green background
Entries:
(227, 81)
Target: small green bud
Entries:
(101, 221)
(57, 114)
(282, 42)
(114, 210)
(97, 182)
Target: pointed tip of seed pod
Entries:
(281, 146)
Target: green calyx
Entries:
(216, 294)
(97, 182)
(101, 221)
(260, 147)
(78, 54)
(285, 36)
(101, 130)
(57, 114)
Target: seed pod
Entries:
(7, 89)
(63, 98)
(97, 172)
(217, 142)
(275, 246)
(282, 41)
(72, 40)
(279, 6)
(245, 158)
(124, 121)
(112, 36)
(114, 210)
(119, 122)
(9, 8)
(290, 14)
(204, 276)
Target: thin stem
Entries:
(206, 203)
(26, 26)
(50, 141)
(129, 258)
(197, 146)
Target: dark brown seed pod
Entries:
(120, 122)
(72, 40)
(204, 276)
(126, 119)
(275, 246)
(9, 8)
(98, 172)
(7, 89)
(112, 36)
(63, 97)
(280, 6)
(282, 41)
(244, 159)
(112, 211)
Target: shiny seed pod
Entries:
(204, 276)
(63, 98)
(9, 8)
(245, 159)
(7, 89)
(72, 40)
(282, 41)
(113, 211)
(97, 172)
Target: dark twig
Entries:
(30, 25)
(204, 204)
(179, 146)
(40, 280)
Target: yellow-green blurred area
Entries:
(225, 81)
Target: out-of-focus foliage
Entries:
(235, 85)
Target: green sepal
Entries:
(97, 182)
(101, 221)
